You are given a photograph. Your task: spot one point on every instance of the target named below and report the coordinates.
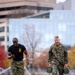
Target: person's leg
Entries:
(54, 70)
(20, 68)
(14, 68)
(60, 70)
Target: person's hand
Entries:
(27, 61)
(50, 65)
(9, 56)
(66, 65)
(13, 56)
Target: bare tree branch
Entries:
(31, 37)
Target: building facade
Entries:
(54, 22)
(67, 5)
(19, 9)
(4, 36)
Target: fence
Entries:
(8, 71)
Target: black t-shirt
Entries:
(17, 51)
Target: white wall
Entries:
(72, 4)
(67, 5)
(58, 6)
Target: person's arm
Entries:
(27, 58)
(25, 52)
(65, 56)
(9, 55)
(50, 55)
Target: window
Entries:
(7, 29)
(3, 16)
(26, 7)
(2, 38)
(2, 29)
(45, 15)
(8, 38)
(7, 46)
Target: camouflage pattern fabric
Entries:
(17, 68)
(57, 70)
(58, 57)
(54, 69)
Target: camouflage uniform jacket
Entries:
(58, 54)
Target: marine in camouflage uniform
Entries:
(57, 57)
(15, 52)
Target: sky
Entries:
(60, 1)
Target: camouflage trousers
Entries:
(17, 68)
(57, 70)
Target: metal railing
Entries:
(8, 71)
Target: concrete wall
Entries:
(9, 3)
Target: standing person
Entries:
(58, 57)
(15, 52)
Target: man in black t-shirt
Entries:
(15, 52)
